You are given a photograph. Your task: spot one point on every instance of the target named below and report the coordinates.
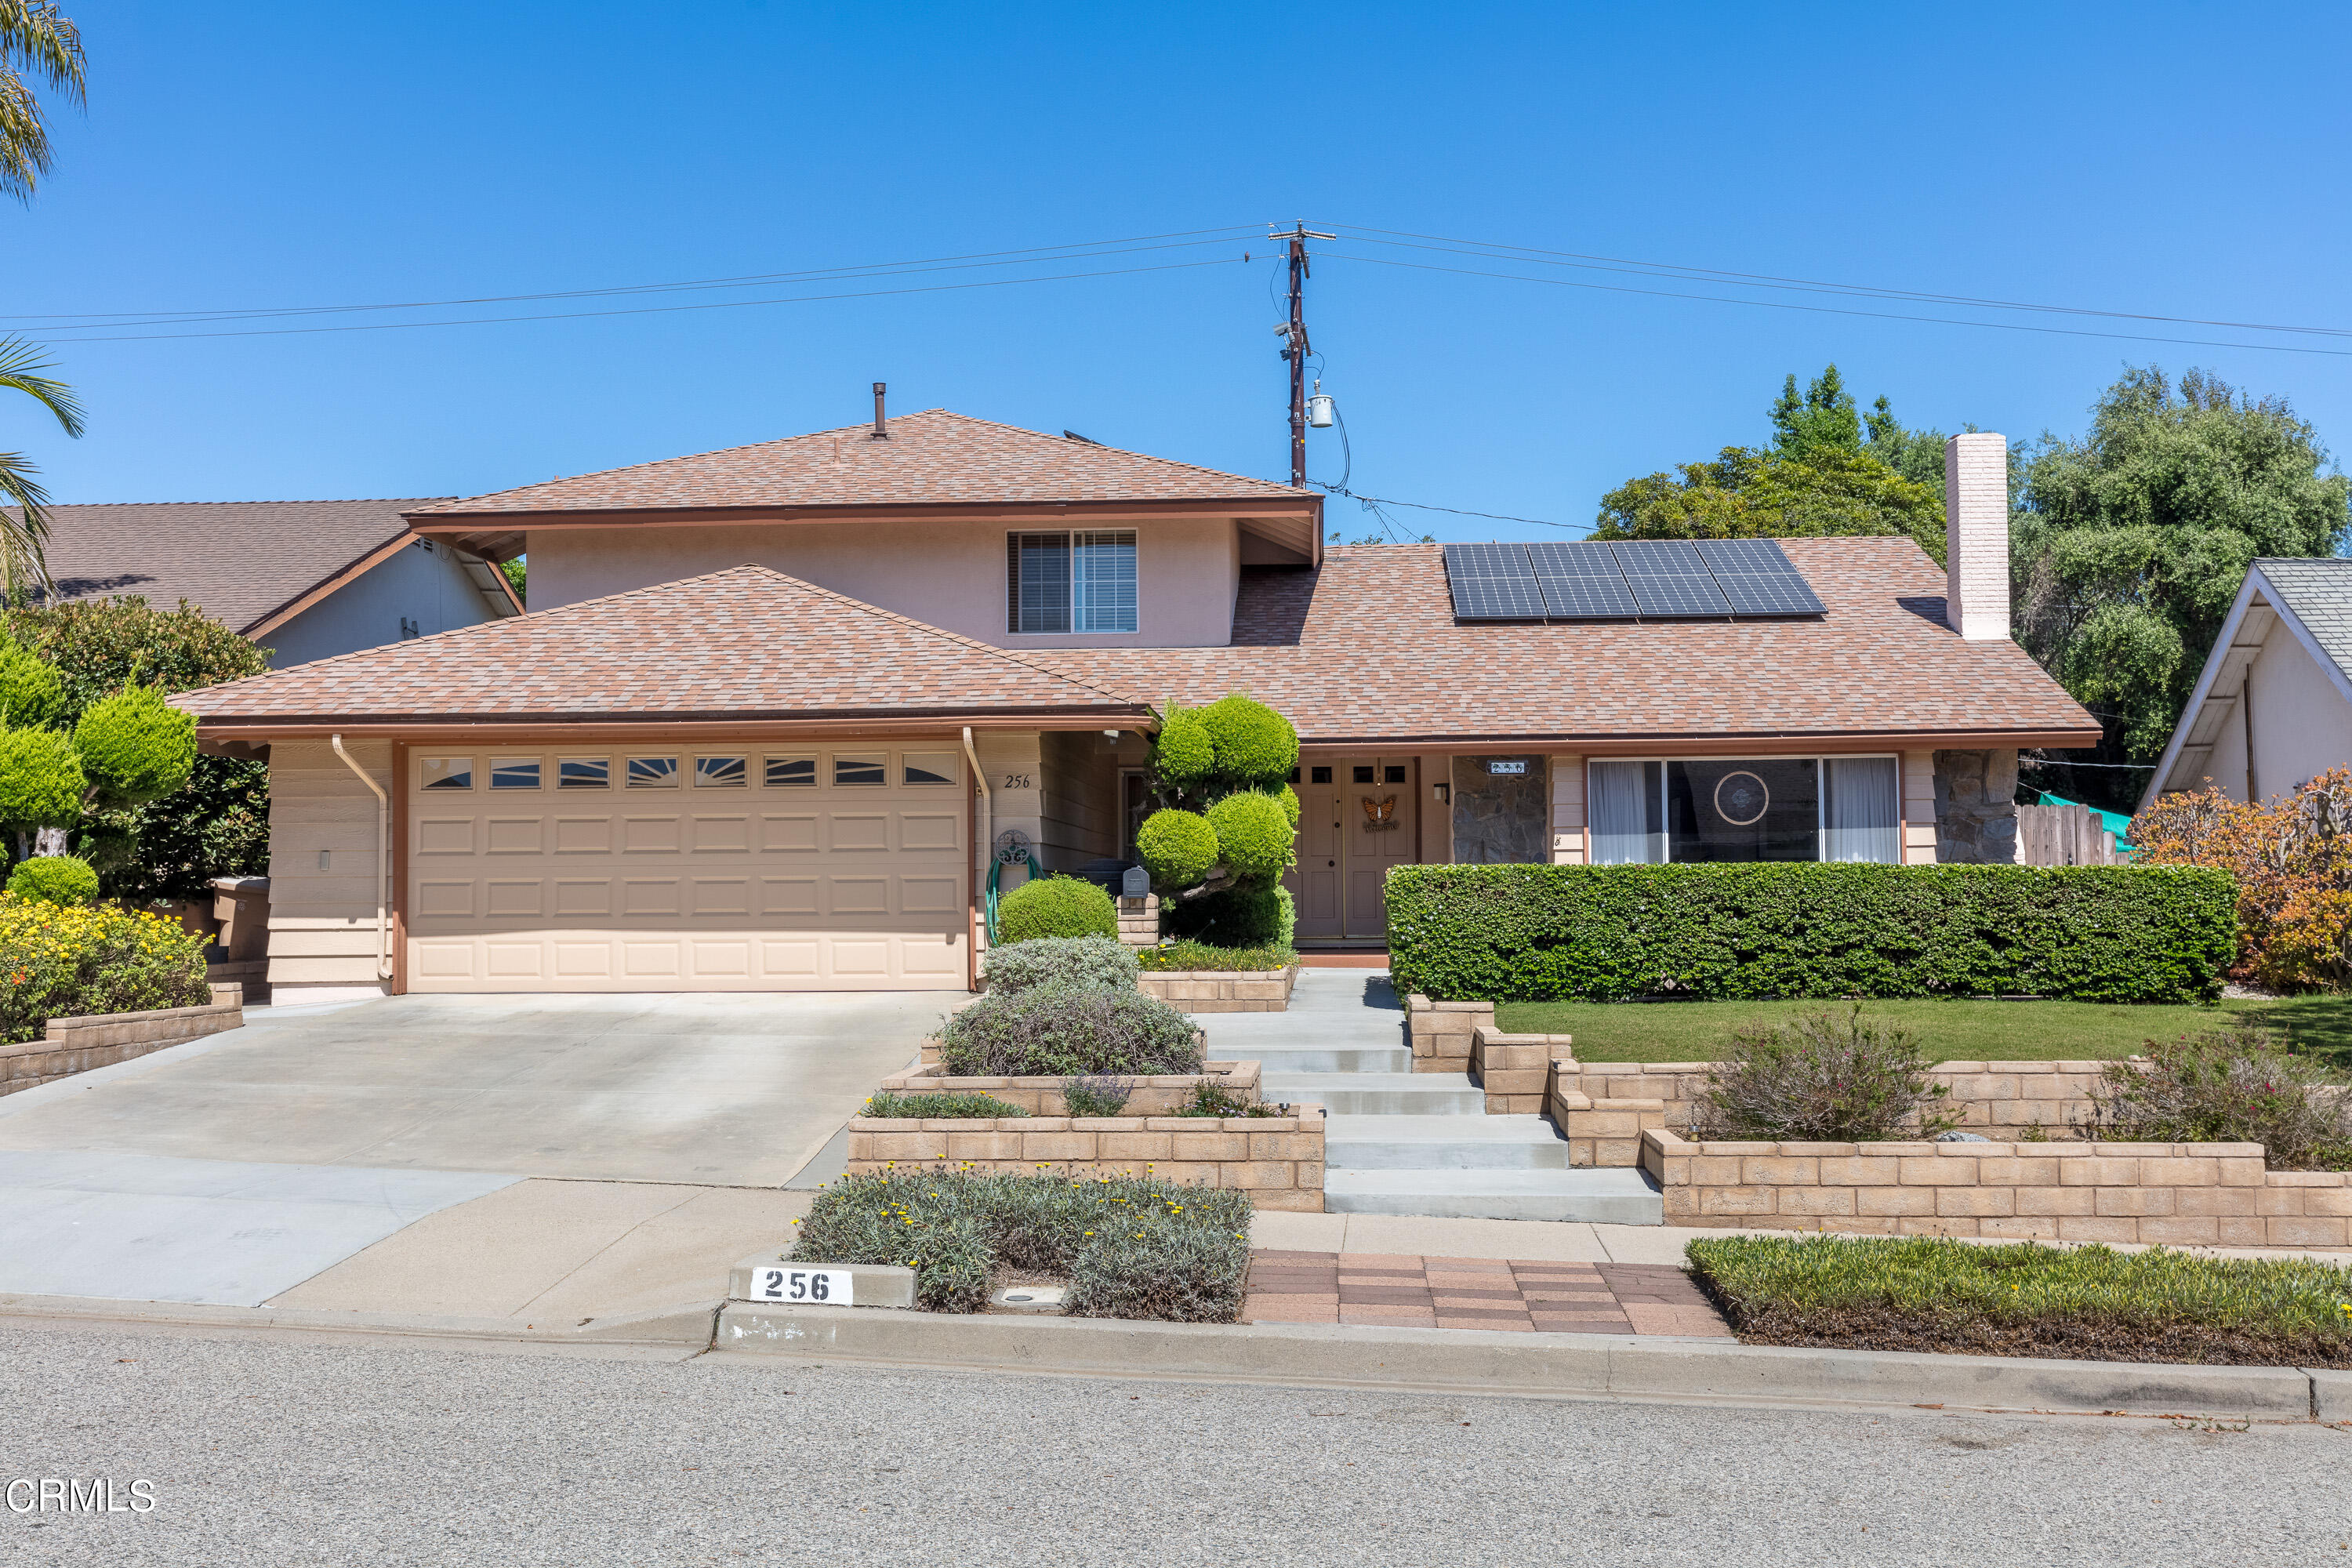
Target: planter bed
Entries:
(1154, 1095)
(2180, 1195)
(1277, 1160)
(2086, 1303)
(1222, 990)
(101, 1039)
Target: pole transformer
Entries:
(1295, 348)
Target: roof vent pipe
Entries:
(881, 426)
(1976, 536)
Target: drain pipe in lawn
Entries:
(382, 860)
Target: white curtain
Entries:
(1620, 816)
(1860, 818)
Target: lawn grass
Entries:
(1919, 1293)
(1949, 1030)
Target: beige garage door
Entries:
(688, 869)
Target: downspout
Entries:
(987, 813)
(383, 860)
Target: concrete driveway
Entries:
(237, 1168)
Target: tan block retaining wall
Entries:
(102, 1040)
(1043, 1096)
(1222, 990)
(1138, 921)
(1442, 1032)
(1278, 1160)
(1516, 1071)
(2181, 1195)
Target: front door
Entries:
(1357, 817)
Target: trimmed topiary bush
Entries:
(1054, 906)
(1183, 755)
(41, 782)
(1238, 916)
(54, 878)
(1290, 798)
(1608, 933)
(1254, 835)
(134, 746)
(1177, 848)
(31, 695)
(1095, 962)
(1256, 747)
(1062, 1032)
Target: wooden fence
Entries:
(2064, 836)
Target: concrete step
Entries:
(1595, 1196)
(1378, 1093)
(1340, 1058)
(1443, 1143)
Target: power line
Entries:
(1457, 511)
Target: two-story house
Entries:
(773, 707)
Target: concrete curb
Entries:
(688, 1326)
(1633, 1365)
(2331, 1395)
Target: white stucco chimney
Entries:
(1976, 536)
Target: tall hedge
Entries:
(1607, 934)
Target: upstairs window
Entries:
(1070, 582)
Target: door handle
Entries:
(1331, 862)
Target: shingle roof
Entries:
(744, 643)
(2318, 591)
(1366, 649)
(238, 561)
(931, 459)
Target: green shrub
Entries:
(2228, 1086)
(1930, 1294)
(1183, 755)
(1254, 745)
(1130, 1246)
(939, 1106)
(1215, 1100)
(1177, 848)
(31, 695)
(1605, 933)
(1237, 917)
(1096, 962)
(1821, 1078)
(1096, 1094)
(1054, 906)
(59, 962)
(1290, 798)
(54, 878)
(41, 782)
(1189, 956)
(1254, 835)
(134, 746)
(1060, 1032)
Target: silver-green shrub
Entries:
(1061, 1031)
(1086, 963)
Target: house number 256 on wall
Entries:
(827, 1287)
(1016, 781)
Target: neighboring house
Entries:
(773, 706)
(2273, 708)
(305, 579)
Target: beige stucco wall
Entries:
(946, 574)
(322, 924)
(2302, 724)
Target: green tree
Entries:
(1827, 473)
(34, 41)
(24, 530)
(517, 571)
(2130, 543)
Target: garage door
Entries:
(688, 870)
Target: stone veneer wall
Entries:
(2180, 1194)
(1222, 990)
(101, 1039)
(1976, 807)
(1277, 1160)
(1504, 820)
(1043, 1096)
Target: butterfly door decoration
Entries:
(1380, 815)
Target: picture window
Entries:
(1082, 581)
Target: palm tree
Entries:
(23, 531)
(32, 40)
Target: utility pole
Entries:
(1295, 348)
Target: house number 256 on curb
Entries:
(829, 1287)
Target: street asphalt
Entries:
(335, 1450)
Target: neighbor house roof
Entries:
(246, 563)
(1366, 649)
(931, 459)
(2317, 591)
(744, 644)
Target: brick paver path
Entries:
(1476, 1293)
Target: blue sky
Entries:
(2157, 159)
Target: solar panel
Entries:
(1757, 577)
(1582, 583)
(1669, 578)
(1492, 583)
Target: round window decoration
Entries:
(1741, 798)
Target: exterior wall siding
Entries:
(430, 590)
(1078, 777)
(323, 920)
(2302, 725)
(1568, 819)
